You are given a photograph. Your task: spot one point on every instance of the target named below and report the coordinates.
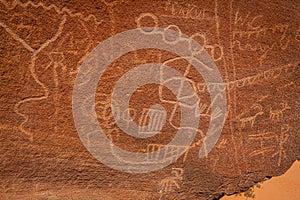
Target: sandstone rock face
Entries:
(255, 46)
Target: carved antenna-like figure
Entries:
(282, 139)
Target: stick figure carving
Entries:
(168, 184)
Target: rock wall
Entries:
(255, 45)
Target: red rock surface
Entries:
(254, 44)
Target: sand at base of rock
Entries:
(282, 187)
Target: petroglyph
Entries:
(172, 183)
(12, 5)
(246, 21)
(36, 78)
(278, 113)
(222, 144)
(251, 119)
(189, 11)
(264, 139)
(267, 75)
(159, 117)
(215, 50)
(255, 50)
(282, 139)
(56, 57)
(156, 152)
(246, 36)
(138, 20)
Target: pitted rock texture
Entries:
(254, 44)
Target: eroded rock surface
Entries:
(254, 44)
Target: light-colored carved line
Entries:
(57, 34)
(254, 79)
(35, 77)
(278, 113)
(217, 20)
(114, 3)
(259, 47)
(282, 140)
(168, 183)
(264, 135)
(185, 17)
(261, 151)
(252, 118)
(262, 74)
(233, 110)
(286, 85)
(16, 37)
(283, 28)
(263, 30)
(64, 10)
(190, 11)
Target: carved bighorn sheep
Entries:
(251, 119)
(276, 114)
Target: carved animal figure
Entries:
(251, 119)
(276, 114)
